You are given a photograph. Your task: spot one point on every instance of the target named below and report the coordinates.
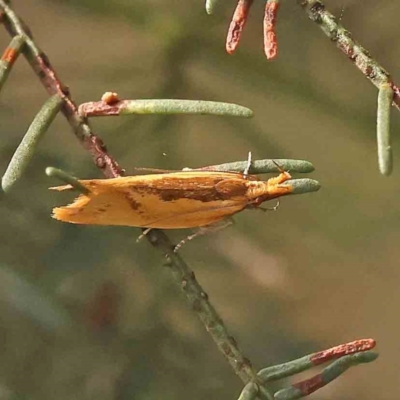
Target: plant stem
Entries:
(359, 56)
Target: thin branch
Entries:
(361, 58)
(198, 299)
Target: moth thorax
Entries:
(256, 189)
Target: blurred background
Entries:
(87, 313)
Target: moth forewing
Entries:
(168, 201)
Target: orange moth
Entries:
(169, 201)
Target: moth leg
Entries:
(274, 208)
(247, 169)
(204, 230)
(143, 234)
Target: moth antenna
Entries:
(143, 234)
(204, 230)
(280, 168)
(248, 166)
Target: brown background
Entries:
(86, 313)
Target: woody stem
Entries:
(343, 39)
(199, 301)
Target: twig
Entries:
(389, 93)
(198, 299)
(361, 58)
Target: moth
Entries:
(175, 200)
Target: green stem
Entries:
(199, 301)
